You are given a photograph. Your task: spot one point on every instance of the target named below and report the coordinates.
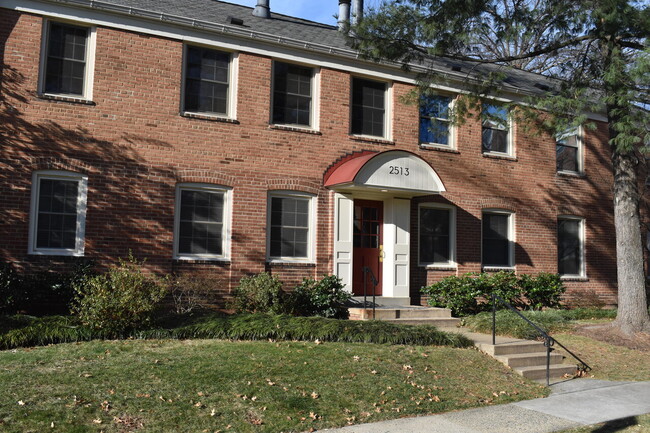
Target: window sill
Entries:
(438, 147)
(304, 130)
(434, 267)
(209, 117)
(64, 98)
(62, 253)
(503, 156)
(573, 174)
(497, 268)
(200, 260)
(576, 278)
(370, 139)
(299, 263)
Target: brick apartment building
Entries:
(208, 139)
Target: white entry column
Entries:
(343, 237)
(397, 217)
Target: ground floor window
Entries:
(202, 222)
(290, 226)
(436, 234)
(58, 213)
(570, 246)
(497, 239)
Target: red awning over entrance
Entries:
(346, 170)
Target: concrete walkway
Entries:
(572, 403)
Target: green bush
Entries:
(470, 293)
(325, 298)
(260, 293)
(118, 301)
(508, 323)
(543, 290)
(9, 294)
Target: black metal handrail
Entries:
(366, 271)
(548, 340)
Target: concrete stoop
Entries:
(528, 358)
(408, 315)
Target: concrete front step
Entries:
(512, 347)
(539, 372)
(529, 359)
(440, 322)
(389, 313)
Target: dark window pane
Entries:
(496, 245)
(291, 94)
(495, 128)
(200, 229)
(368, 107)
(206, 80)
(66, 59)
(434, 119)
(289, 230)
(566, 158)
(57, 214)
(434, 235)
(568, 247)
(495, 140)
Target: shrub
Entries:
(508, 323)
(542, 290)
(9, 282)
(260, 293)
(118, 301)
(470, 293)
(325, 298)
(191, 292)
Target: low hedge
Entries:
(32, 331)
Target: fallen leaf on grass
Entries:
(314, 395)
(21, 403)
(97, 421)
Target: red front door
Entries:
(368, 245)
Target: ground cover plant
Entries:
(262, 386)
(23, 331)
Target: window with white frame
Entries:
(498, 239)
(570, 246)
(207, 83)
(368, 107)
(202, 222)
(67, 63)
(435, 123)
(568, 151)
(495, 129)
(292, 95)
(291, 227)
(436, 234)
(58, 213)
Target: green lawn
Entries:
(212, 385)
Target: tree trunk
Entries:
(632, 314)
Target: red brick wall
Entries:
(135, 147)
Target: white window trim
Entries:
(314, 109)
(579, 133)
(226, 235)
(510, 141)
(451, 263)
(311, 248)
(82, 198)
(451, 136)
(511, 240)
(89, 78)
(233, 74)
(582, 234)
(388, 108)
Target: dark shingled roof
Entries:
(295, 29)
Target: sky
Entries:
(321, 11)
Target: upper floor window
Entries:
(568, 151)
(58, 213)
(436, 234)
(207, 81)
(498, 239)
(496, 129)
(435, 125)
(570, 246)
(292, 94)
(291, 229)
(368, 107)
(202, 222)
(67, 67)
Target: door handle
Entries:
(382, 254)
